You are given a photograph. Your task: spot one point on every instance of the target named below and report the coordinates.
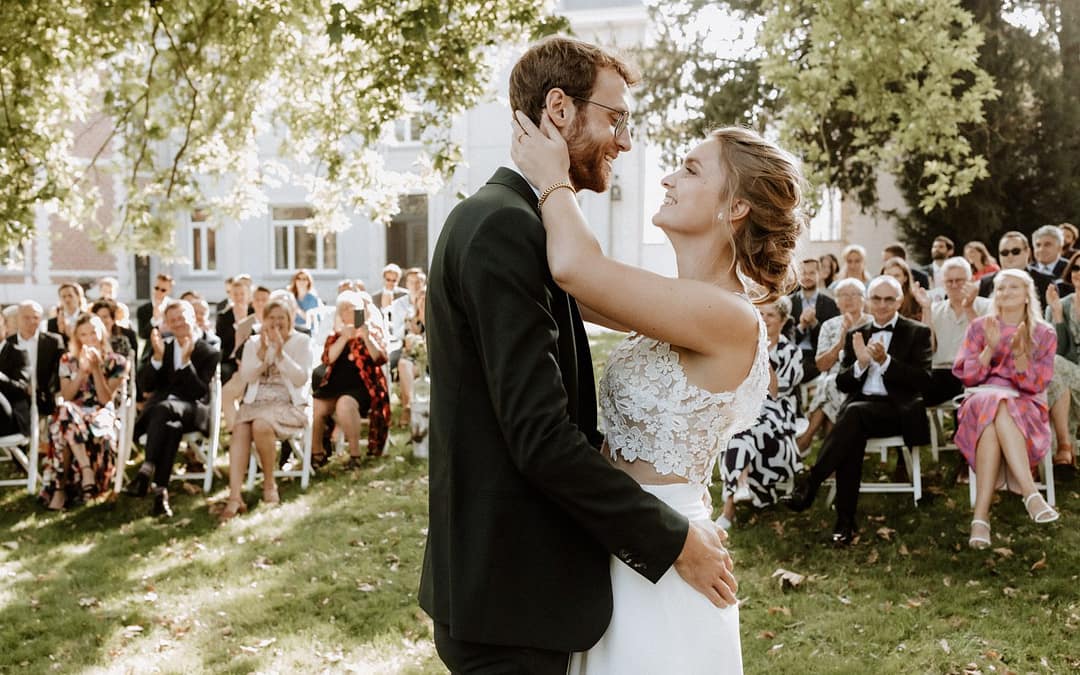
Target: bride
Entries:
(694, 370)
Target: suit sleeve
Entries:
(15, 374)
(194, 378)
(845, 379)
(507, 303)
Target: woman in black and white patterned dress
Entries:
(764, 458)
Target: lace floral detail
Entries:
(653, 414)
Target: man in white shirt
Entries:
(885, 370)
(948, 320)
(43, 354)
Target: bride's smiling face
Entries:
(692, 201)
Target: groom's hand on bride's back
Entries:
(706, 565)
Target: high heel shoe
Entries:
(976, 541)
(89, 483)
(233, 508)
(1047, 514)
(59, 497)
(270, 495)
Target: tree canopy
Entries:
(175, 97)
(851, 88)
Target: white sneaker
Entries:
(723, 523)
(742, 494)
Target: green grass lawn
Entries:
(327, 583)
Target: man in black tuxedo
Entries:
(524, 511)
(810, 308)
(1015, 253)
(43, 351)
(151, 314)
(176, 376)
(886, 368)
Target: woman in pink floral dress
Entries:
(1006, 362)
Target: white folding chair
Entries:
(126, 413)
(938, 438)
(911, 458)
(1046, 471)
(301, 443)
(23, 450)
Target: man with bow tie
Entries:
(886, 367)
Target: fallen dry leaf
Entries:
(788, 579)
(778, 528)
(779, 610)
(88, 602)
(914, 602)
(873, 557)
(766, 635)
(885, 533)
(1039, 564)
(904, 550)
(1010, 592)
(1004, 552)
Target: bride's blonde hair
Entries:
(768, 179)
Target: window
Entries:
(203, 242)
(295, 246)
(408, 129)
(826, 223)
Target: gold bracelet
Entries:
(552, 188)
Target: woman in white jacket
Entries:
(275, 369)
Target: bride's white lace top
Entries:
(652, 413)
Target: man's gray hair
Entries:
(885, 279)
(32, 304)
(956, 262)
(783, 307)
(850, 282)
(185, 307)
(1049, 231)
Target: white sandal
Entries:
(978, 542)
(1047, 515)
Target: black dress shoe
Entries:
(139, 486)
(843, 537)
(802, 497)
(161, 505)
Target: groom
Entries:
(524, 510)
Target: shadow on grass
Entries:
(327, 577)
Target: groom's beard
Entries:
(589, 169)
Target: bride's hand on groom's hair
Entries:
(540, 152)
(707, 566)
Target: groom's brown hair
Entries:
(564, 63)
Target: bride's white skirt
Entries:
(667, 627)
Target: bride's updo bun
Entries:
(768, 179)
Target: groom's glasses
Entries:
(624, 115)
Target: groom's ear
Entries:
(560, 108)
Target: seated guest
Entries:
(122, 341)
(854, 261)
(763, 459)
(352, 384)
(225, 326)
(202, 320)
(176, 376)
(1070, 235)
(1064, 390)
(897, 250)
(43, 354)
(402, 320)
(948, 320)
(1015, 253)
(307, 298)
(982, 263)
(84, 429)
(390, 291)
(152, 314)
(275, 369)
(11, 319)
(1006, 360)
(941, 249)
(72, 304)
(14, 386)
(810, 307)
(886, 368)
(898, 269)
(828, 399)
(1048, 242)
(828, 270)
(108, 287)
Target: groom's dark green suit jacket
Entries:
(524, 509)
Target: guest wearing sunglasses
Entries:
(1014, 253)
(152, 314)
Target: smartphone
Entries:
(358, 317)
